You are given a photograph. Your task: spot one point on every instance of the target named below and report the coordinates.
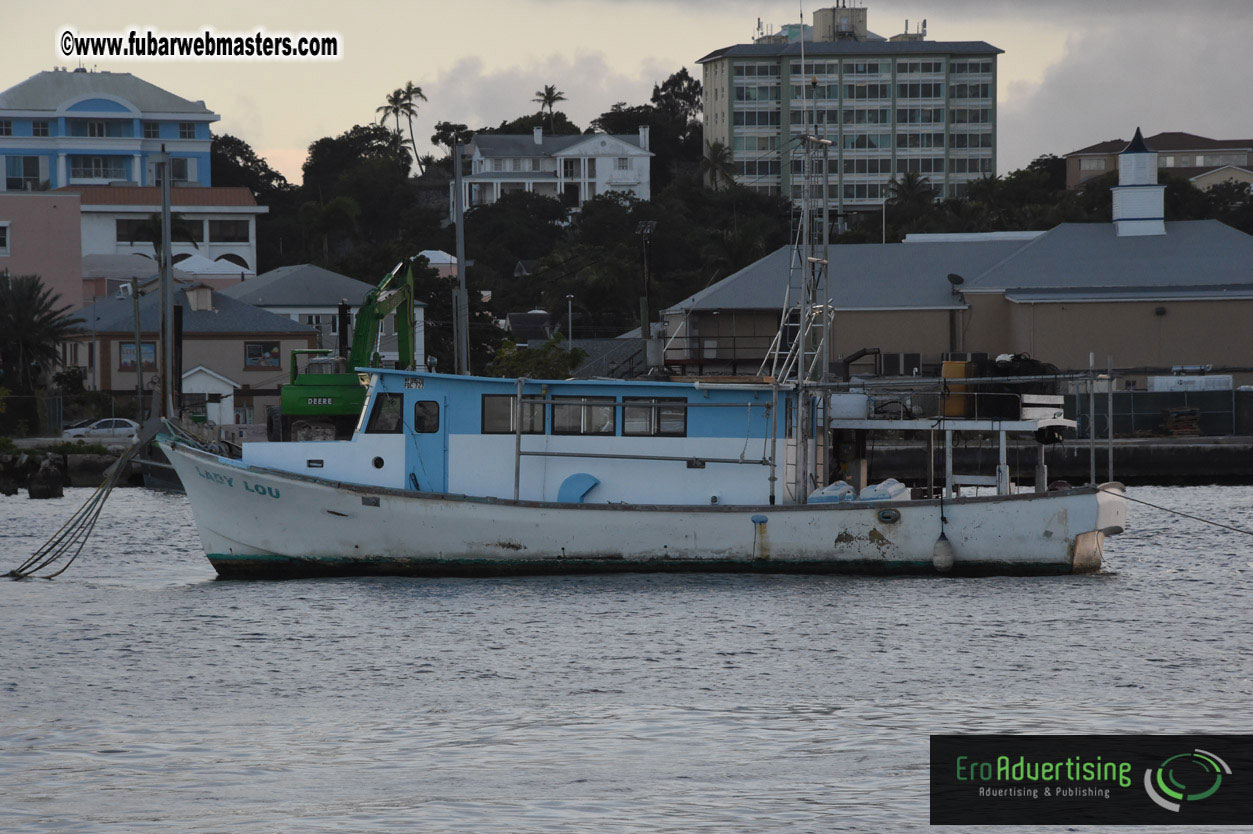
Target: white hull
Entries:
(263, 523)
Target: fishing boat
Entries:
(462, 475)
(452, 474)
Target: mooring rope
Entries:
(67, 542)
(1178, 512)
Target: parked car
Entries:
(110, 427)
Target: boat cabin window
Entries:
(387, 414)
(498, 414)
(426, 416)
(654, 417)
(585, 415)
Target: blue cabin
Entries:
(571, 441)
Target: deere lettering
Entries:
(321, 401)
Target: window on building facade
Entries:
(1092, 163)
(186, 130)
(40, 127)
(228, 231)
(755, 143)
(623, 163)
(865, 141)
(591, 168)
(98, 167)
(919, 140)
(152, 130)
(961, 116)
(126, 356)
(970, 140)
(178, 170)
(862, 68)
(570, 169)
(97, 130)
(978, 165)
(6, 127)
(756, 70)
(970, 67)
(871, 165)
(756, 118)
(21, 173)
(654, 417)
(4, 239)
(261, 355)
(867, 91)
(920, 165)
(970, 90)
(498, 413)
(920, 89)
(918, 67)
(760, 92)
(816, 69)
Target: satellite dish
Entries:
(956, 280)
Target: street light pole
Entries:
(569, 321)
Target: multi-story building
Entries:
(74, 127)
(889, 106)
(1204, 162)
(573, 169)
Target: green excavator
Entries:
(323, 400)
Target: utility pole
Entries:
(569, 322)
(461, 310)
(645, 230)
(139, 354)
(167, 293)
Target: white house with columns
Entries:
(573, 169)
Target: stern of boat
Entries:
(1111, 519)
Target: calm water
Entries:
(137, 693)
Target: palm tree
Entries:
(546, 98)
(413, 95)
(402, 102)
(149, 231)
(715, 165)
(33, 323)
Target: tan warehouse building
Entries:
(1151, 293)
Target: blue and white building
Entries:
(74, 127)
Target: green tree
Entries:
(679, 96)
(546, 98)
(330, 158)
(551, 361)
(33, 324)
(235, 163)
(716, 166)
(448, 134)
(336, 217)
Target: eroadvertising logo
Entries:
(1194, 776)
(1095, 779)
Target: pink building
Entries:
(41, 234)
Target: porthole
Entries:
(889, 516)
(378, 463)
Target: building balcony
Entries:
(624, 178)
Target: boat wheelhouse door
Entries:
(427, 457)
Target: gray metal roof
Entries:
(864, 276)
(114, 315)
(299, 285)
(864, 49)
(1195, 258)
(1080, 256)
(523, 144)
(49, 90)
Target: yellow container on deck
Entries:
(957, 402)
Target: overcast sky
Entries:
(1074, 72)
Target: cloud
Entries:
(471, 95)
(1160, 72)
